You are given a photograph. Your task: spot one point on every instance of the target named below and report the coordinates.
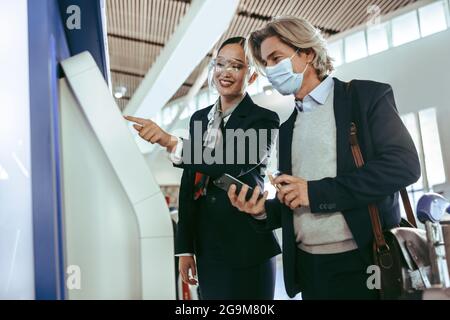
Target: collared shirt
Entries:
(227, 114)
(317, 97)
(176, 155)
(215, 118)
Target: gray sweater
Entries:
(314, 158)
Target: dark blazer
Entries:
(237, 240)
(391, 160)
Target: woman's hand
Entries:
(253, 206)
(186, 263)
(151, 132)
(293, 191)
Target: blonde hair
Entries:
(297, 33)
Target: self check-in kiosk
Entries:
(118, 236)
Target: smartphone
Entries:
(225, 182)
(272, 176)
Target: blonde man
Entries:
(322, 199)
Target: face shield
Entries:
(218, 66)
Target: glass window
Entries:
(173, 112)
(253, 88)
(432, 18)
(410, 121)
(203, 100)
(189, 107)
(432, 151)
(424, 132)
(336, 51)
(185, 112)
(377, 38)
(416, 190)
(168, 115)
(355, 47)
(212, 98)
(405, 28)
(192, 105)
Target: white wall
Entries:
(16, 238)
(419, 73)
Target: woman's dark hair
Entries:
(235, 40)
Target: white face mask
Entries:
(283, 78)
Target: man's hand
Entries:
(293, 191)
(151, 132)
(185, 264)
(253, 206)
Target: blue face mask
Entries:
(283, 78)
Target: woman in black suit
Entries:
(234, 261)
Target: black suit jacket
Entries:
(391, 164)
(240, 244)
